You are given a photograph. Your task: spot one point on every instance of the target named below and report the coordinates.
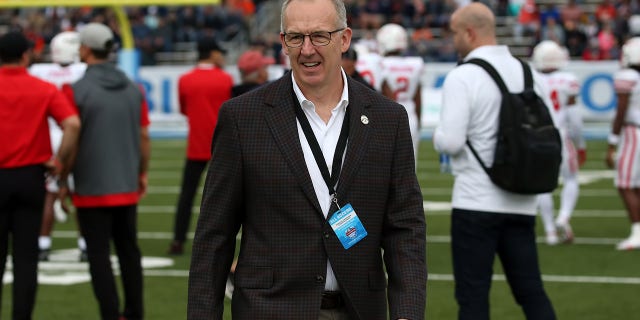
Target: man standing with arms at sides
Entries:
(485, 219)
(201, 92)
(65, 69)
(401, 75)
(110, 172)
(318, 170)
(549, 58)
(25, 153)
(623, 138)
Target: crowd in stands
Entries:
(590, 30)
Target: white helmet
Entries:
(631, 52)
(392, 37)
(549, 55)
(65, 47)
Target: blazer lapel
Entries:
(282, 122)
(359, 103)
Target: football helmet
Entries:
(392, 37)
(634, 25)
(65, 47)
(631, 52)
(549, 55)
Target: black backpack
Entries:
(528, 149)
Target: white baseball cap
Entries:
(96, 36)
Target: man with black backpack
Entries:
(492, 159)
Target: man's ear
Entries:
(346, 39)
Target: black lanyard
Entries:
(332, 179)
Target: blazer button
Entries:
(326, 235)
(319, 279)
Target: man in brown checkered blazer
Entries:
(318, 170)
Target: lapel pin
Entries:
(364, 119)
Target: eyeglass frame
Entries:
(304, 35)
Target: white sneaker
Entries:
(228, 289)
(552, 238)
(630, 243)
(566, 233)
(58, 212)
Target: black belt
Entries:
(331, 300)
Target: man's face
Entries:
(460, 37)
(84, 52)
(315, 65)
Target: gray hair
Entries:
(341, 12)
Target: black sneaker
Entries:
(43, 255)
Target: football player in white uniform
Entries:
(624, 140)
(401, 75)
(548, 58)
(369, 65)
(65, 69)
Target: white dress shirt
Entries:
(327, 136)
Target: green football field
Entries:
(586, 280)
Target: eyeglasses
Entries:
(318, 38)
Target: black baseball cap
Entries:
(13, 45)
(208, 44)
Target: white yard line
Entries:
(449, 277)
(555, 278)
(145, 235)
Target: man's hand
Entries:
(143, 182)
(53, 166)
(63, 195)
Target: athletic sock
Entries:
(44, 242)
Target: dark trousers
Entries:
(22, 193)
(476, 237)
(99, 225)
(190, 181)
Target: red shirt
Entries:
(25, 104)
(201, 92)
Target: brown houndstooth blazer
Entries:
(258, 180)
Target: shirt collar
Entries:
(13, 69)
(205, 66)
(344, 99)
(487, 51)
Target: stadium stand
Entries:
(166, 35)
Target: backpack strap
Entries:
(492, 72)
(528, 84)
(528, 77)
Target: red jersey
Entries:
(201, 92)
(25, 104)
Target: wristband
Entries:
(613, 139)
